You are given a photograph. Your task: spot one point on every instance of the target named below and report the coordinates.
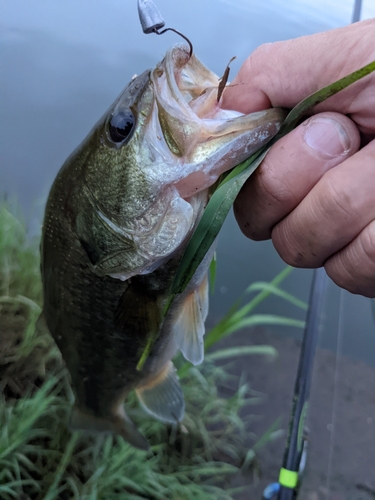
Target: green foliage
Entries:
(212, 273)
(241, 317)
(41, 459)
(19, 260)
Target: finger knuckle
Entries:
(257, 65)
(260, 53)
(339, 273)
(287, 246)
(368, 243)
(353, 268)
(272, 184)
(336, 197)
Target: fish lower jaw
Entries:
(193, 184)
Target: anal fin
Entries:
(118, 424)
(162, 396)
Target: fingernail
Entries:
(326, 136)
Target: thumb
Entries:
(284, 73)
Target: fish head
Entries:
(154, 156)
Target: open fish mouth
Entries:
(208, 139)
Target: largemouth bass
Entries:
(117, 220)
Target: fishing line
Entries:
(334, 414)
(178, 33)
(356, 16)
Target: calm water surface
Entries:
(63, 64)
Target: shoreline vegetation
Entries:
(41, 459)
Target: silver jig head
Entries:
(152, 22)
(150, 17)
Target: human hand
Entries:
(314, 194)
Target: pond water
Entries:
(64, 64)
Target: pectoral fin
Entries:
(162, 396)
(139, 311)
(188, 327)
(203, 292)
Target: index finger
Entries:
(284, 73)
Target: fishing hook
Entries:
(152, 21)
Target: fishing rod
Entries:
(295, 454)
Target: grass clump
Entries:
(40, 459)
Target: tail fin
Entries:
(118, 424)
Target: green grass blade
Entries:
(226, 325)
(271, 434)
(28, 412)
(261, 285)
(251, 321)
(266, 293)
(269, 319)
(321, 95)
(231, 352)
(52, 492)
(212, 273)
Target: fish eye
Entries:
(121, 126)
